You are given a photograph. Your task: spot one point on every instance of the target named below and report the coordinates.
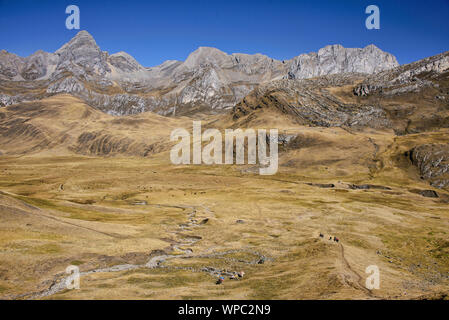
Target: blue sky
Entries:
(155, 31)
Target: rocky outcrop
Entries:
(429, 194)
(336, 59)
(6, 100)
(308, 102)
(124, 62)
(68, 85)
(321, 185)
(10, 64)
(38, 65)
(364, 90)
(408, 78)
(432, 161)
(367, 187)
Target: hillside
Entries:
(64, 124)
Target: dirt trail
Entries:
(358, 284)
(59, 283)
(37, 211)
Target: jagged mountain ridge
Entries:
(208, 80)
(408, 99)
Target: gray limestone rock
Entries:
(209, 79)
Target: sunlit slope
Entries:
(64, 124)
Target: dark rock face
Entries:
(322, 185)
(364, 90)
(157, 252)
(283, 140)
(425, 193)
(368, 186)
(432, 161)
(429, 194)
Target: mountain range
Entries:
(353, 89)
(87, 178)
(209, 80)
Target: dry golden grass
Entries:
(63, 124)
(93, 223)
(59, 208)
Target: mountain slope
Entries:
(64, 124)
(408, 99)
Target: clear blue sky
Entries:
(155, 31)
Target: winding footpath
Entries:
(157, 261)
(358, 284)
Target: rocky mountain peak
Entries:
(334, 49)
(82, 54)
(10, 64)
(371, 47)
(81, 39)
(334, 59)
(124, 62)
(209, 77)
(205, 55)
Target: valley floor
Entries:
(141, 228)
